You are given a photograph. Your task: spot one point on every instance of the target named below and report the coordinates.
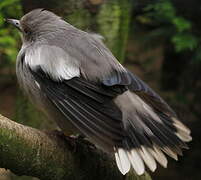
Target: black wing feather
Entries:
(89, 107)
(149, 96)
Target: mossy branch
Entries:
(28, 151)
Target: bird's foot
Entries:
(72, 140)
(79, 138)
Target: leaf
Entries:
(5, 3)
(9, 37)
(184, 41)
(181, 24)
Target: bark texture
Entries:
(28, 151)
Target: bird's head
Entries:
(37, 24)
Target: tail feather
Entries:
(170, 153)
(158, 155)
(183, 136)
(147, 158)
(180, 126)
(122, 160)
(150, 134)
(136, 161)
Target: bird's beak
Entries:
(14, 22)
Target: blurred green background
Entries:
(158, 40)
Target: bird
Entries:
(72, 77)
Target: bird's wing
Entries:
(92, 95)
(52, 60)
(88, 105)
(176, 132)
(149, 96)
(152, 127)
(96, 62)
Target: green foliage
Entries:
(9, 38)
(176, 29)
(181, 24)
(161, 11)
(184, 41)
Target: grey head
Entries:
(38, 23)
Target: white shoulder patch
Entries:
(54, 61)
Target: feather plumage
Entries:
(76, 80)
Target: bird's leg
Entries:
(78, 136)
(65, 137)
(82, 138)
(72, 140)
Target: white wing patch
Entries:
(54, 61)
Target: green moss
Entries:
(10, 143)
(132, 176)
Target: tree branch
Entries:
(28, 151)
